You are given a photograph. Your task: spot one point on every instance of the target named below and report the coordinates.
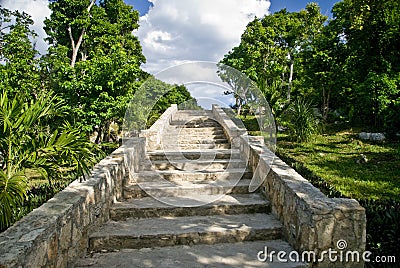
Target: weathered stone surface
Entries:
(169, 231)
(243, 254)
(154, 134)
(226, 205)
(55, 234)
(312, 221)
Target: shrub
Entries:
(302, 120)
(28, 142)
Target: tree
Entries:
(371, 30)
(19, 71)
(97, 85)
(269, 50)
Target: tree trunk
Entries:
(326, 94)
(106, 136)
(76, 45)
(290, 78)
(98, 138)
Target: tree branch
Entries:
(75, 47)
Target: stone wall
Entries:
(312, 221)
(155, 132)
(55, 234)
(232, 131)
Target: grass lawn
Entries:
(333, 157)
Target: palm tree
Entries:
(27, 142)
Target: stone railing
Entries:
(56, 233)
(232, 131)
(155, 132)
(312, 221)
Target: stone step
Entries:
(190, 146)
(194, 154)
(188, 131)
(192, 230)
(190, 140)
(149, 207)
(194, 112)
(194, 121)
(201, 136)
(193, 164)
(241, 254)
(184, 189)
(200, 176)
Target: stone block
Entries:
(58, 229)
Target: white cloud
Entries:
(38, 9)
(176, 31)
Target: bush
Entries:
(301, 120)
(27, 142)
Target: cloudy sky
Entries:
(176, 31)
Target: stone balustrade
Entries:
(155, 132)
(232, 131)
(55, 234)
(312, 221)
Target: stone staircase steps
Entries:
(241, 254)
(198, 136)
(194, 154)
(192, 176)
(182, 113)
(199, 146)
(191, 230)
(148, 207)
(186, 189)
(189, 198)
(193, 164)
(197, 131)
(195, 140)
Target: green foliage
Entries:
(370, 31)
(333, 156)
(35, 197)
(27, 142)
(170, 94)
(383, 228)
(270, 49)
(19, 70)
(302, 120)
(349, 64)
(94, 61)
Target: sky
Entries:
(177, 31)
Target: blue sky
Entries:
(172, 32)
(291, 5)
(296, 5)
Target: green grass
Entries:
(333, 157)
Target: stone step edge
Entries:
(133, 190)
(194, 230)
(149, 207)
(218, 256)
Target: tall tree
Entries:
(19, 70)
(94, 60)
(371, 30)
(269, 50)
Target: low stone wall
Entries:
(232, 131)
(312, 221)
(55, 234)
(154, 133)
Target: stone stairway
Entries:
(189, 206)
